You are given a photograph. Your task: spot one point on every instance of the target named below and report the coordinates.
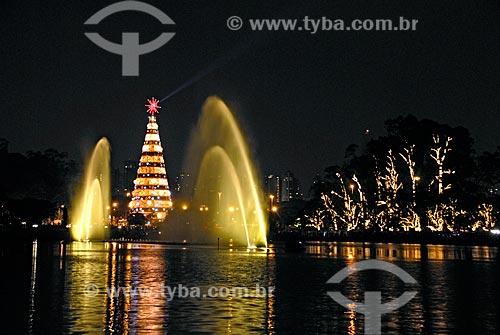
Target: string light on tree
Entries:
(151, 196)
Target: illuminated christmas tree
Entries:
(151, 196)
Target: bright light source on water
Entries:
(91, 203)
(220, 156)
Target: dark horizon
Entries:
(300, 113)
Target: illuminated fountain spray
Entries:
(228, 198)
(91, 204)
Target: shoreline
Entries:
(11, 234)
(432, 238)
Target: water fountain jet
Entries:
(91, 203)
(227, 189)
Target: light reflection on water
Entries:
(393, 251)
(112, 266)
(458, 289)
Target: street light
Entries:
(352, 188)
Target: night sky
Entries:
(301, 98)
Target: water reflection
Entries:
(85, 275)
(391, 251)
(351, 329)
(31, 311)
(455, 291)
(128, 289)
(223, 315)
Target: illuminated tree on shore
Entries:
(389, 186)
(439, 152)
(411, 220)
(349, 215)
(431, 179)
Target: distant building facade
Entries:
(290, 188)
(272, 188)
(116, 184)
(129, 175)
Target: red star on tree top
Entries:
(152, 106)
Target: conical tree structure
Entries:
(151, 196)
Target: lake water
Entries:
(110, 288)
